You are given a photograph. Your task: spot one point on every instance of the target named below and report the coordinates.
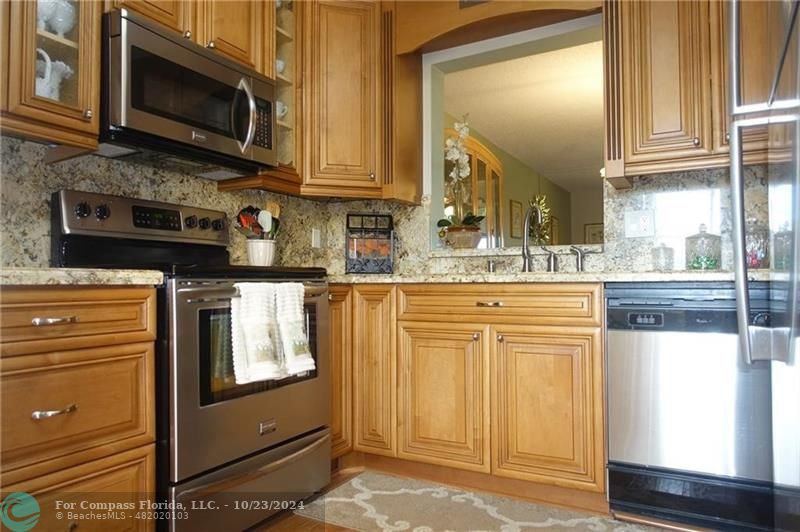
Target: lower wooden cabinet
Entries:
(443, 394)
(374, 369)
(341, 354)
(127, 478)
(547, 405)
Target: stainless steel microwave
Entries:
(168, 99)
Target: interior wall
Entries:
(587, 208)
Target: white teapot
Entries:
(50, 75)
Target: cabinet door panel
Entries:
(374, 369)
(344, 43)
(69, 100)
(341, 321)
(236, 29)
(547, 406)
(443, 413)
(666, 94)
(176, 15)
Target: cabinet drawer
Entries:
(35, 320)
(124, 479)
(84, 399)
(545, 304)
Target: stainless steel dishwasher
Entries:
(689, 426)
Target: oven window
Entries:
(217, 382)
(172, 91)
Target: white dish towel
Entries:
(254, 334)
(296, 352)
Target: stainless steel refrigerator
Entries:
(776, 342)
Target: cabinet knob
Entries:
(727, 137)
(476, 336)
(372, 176)
(87, 113)
(187, 34)
(500, 338)
(211, 45)
(696, 141)
(330, 297)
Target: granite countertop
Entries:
(544, 277)
(78, 276)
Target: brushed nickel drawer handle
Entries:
(39, 322)
(44, 414)
(489, 303)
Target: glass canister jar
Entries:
(663, 258)
(757, 245)
(703, 250)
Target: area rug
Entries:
(376, 502)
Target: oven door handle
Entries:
(222, 485)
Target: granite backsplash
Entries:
(680, 202)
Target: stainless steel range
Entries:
(219, 443)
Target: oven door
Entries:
(166, 88)
(214, 421)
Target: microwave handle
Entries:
(251, 102)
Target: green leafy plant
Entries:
(468, 220)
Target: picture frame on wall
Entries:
(592, 233)
(515, 214)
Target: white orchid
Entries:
(455, 151)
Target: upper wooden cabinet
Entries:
(667, 98)
(344, 119)
(176, 15)
(234, 29)
(666, 70)
(51, 74)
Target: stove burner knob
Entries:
(102, 212)
(191, 221)
(204, 223)
(218, 224)
(82, 210)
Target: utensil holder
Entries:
(261, 252)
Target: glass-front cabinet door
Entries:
(53, 68)
(287, 76)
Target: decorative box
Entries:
(369, 242)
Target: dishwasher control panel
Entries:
(646, 318)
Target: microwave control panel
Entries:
(263, 136)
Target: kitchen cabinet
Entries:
(125, 479)
(177, 15)
(443, 394)
(51, 73)
(666, 72)
(234, 29)
(505, 379)
(374, 369)
(547, 405)
(344, 119)
(80, 361)
(341, 354)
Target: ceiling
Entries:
(545, 109)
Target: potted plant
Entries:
(260, 227)
(460, 234)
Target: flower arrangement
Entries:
(259, 224)
(455, 151)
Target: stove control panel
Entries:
(87, 213)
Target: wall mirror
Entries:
(532, 103)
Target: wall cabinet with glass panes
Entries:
(480, 194)
(51, 70)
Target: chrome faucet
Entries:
(552, 260)
(580, 256)
(533, 211)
